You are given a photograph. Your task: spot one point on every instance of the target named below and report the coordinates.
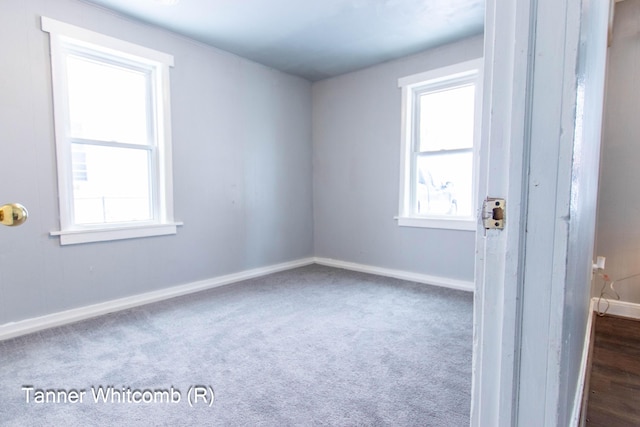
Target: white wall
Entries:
(242, 170)
(618, 228)
(356, 152)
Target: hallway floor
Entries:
(614, 385)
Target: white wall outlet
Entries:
(600, 262)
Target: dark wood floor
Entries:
(614, 385)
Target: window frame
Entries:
(66, 39)
(412, 87)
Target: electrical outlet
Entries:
(599, 264)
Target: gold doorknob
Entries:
(13, 214)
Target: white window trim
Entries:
(409, 86)
(119, 232)
(463, 224)
(164, 223)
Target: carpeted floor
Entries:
(310, 346)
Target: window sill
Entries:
(104, 234)
(441, 223)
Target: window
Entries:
(113, 136)
(440, 131)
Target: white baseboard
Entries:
(27, 326)
(399, 274)
(584, 361)
(619, 308)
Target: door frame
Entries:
(532, 52)
(498, 278)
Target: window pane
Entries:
(444, 184)
(106, 102)
(446, 119)
(115, 186)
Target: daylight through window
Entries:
(439, 146)
(112, 136)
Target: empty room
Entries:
(291, 213)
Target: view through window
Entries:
(112, 141)
(439, 146)
(113, 136)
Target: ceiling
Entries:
(314, 39)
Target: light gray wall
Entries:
(356, 161)
(618, 231)
(242, 170)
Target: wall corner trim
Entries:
(444, 282)
(27, 326)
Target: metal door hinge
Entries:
(493, 213)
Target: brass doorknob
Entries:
(13, 214)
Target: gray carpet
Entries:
(310, 346)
